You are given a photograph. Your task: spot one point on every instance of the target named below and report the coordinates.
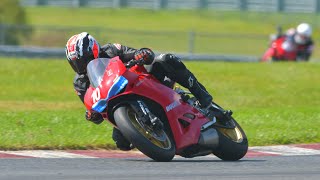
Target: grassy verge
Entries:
(275, 103)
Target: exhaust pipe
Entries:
(209, 138)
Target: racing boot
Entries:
(171, 66)
(199, 91)
(196, 88)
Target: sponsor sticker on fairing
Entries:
(172, 106)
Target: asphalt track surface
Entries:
(277, 162)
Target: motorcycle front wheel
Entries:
(156, 144)
(233, 143)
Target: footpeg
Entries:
(185, 97)
(228, 113)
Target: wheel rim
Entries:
(158, 138)
(233, 134)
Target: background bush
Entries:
(11, 13)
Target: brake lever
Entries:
(140, 62)
(133, 62)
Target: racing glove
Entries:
(94, 117)
(146, 55)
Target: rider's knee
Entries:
(173, 61)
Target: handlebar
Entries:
(134, 62)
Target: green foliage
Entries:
(11, 13)
(275, 103)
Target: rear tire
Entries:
(157, 145)
(233, 143)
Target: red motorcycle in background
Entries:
(160, 121)
(283, 49)
(280, 49)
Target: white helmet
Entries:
(303, 34)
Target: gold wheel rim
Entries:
(233, 134)
(159, 139)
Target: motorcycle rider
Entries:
(301, 40)
(167, 68)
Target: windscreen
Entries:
(96, 69)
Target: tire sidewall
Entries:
(126, 127)
(230, 150)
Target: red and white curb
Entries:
(259, 151)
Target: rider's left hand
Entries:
(145, 54)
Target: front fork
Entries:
(146, 116)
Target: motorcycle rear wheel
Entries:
(157, 145)
(233, 143)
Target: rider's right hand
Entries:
(145, 54)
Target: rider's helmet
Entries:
(303, 33)
(80, 50)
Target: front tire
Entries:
(157, 145)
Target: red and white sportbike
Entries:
(283, 49)
(160, 121)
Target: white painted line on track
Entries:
(46, 154)
(210, 156)
(286, 150)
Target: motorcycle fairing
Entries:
(281, 49)
(106, 82)
(145, 85)
(117, 86)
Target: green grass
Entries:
(276, 103)
(39, 108)
(114, 25)
(51, 129)
(170, 20)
